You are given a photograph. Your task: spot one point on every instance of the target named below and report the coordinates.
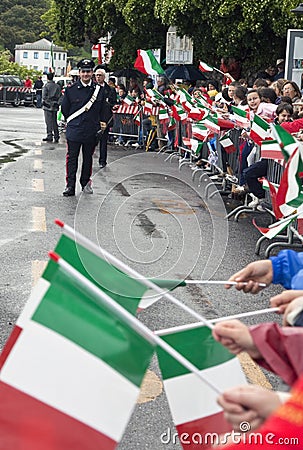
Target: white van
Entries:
(63, 81)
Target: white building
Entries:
(42, 55)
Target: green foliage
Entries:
(21, 22)
(253, 32)
(11, 68)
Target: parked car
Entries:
(29, 98)
(11, 90)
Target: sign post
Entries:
(178, 50)
(294, 57)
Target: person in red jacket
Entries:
(28, 82)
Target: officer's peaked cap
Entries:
(86, 64)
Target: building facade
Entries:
(42, 55)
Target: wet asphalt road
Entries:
(144, 211)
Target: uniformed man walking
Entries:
(110, 100)
(81, 107)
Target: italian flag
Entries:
(194, 145)
(185, 99)
(70, 372)
(199, 131)
(291, 184)
(128, 100)
(241, 117)
(148, 107)
(147, 63)
(196, 113)
(273, 230)
(260, 130)
(163, 115)
(193, 403)
(212, 124)
(271, 150)
(227, 144)
(279, 211)
(178, 112)
(137, 119)
(286, 141)
(205, 67)
(172, 124)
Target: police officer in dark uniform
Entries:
(82, 107)
(110, 97)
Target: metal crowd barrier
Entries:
(7, 92)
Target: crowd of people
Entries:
(274, 347)
(270, 97)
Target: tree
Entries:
(21, 21)
(253, 32)
(132, 24)
(9, 67)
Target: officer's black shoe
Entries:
(69, 191)
(47, 140)
(102, 165)
(56, 141)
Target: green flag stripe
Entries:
(198, 346)
(124, 289)
(262, 123)
(71, 311)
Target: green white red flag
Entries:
(147, 63)
(194, 145)
(290, 190)
(240, 116)
(163, 115)
(128, 100)
(204, 67)
(271, 150)
(196, 113)
(227, 143)
(260, 130)
(286, 141)
(273, 230)
(193, 404)
(58, 379)
(200, 131)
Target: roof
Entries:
(41, 44)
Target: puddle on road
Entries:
(11, 157)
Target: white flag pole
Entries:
(191, 326)
(125, 316)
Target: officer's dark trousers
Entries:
(103, 147)
(73, 150)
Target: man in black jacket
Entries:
(82, 107)
(110, 97)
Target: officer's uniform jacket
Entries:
(85, 126)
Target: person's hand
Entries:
(235, 336)
(253, 274)
(248, 403)
(282, 300)
(296, 304)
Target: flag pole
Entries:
(126, 317)
(191, 326)
(232, 283)
(101, 252)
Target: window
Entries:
(59, 56)
(46, 55)
(45, 70)
(64, 56)
(36, 68)
(36, 55)
(25, 55)
(55, 55)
